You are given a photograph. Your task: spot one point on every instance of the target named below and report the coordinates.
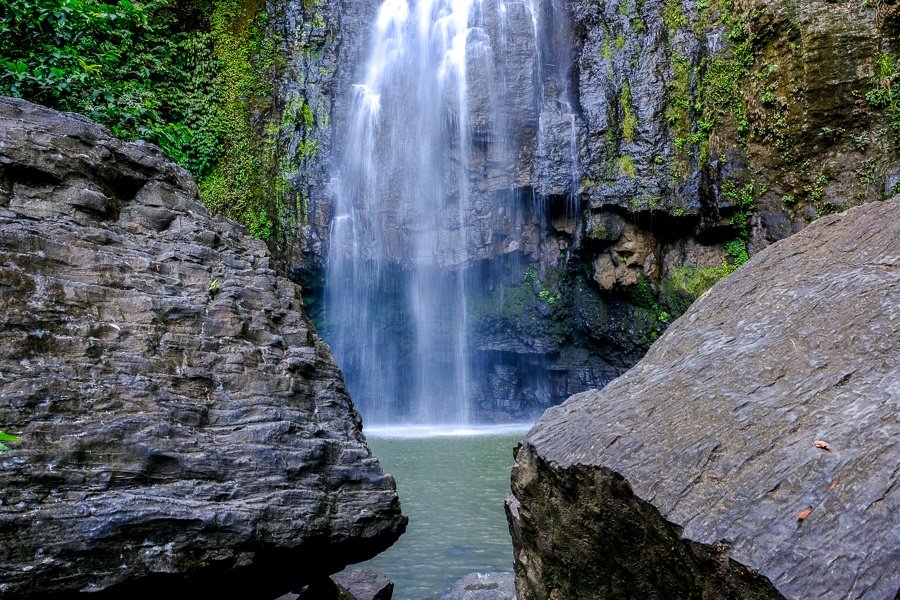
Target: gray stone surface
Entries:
(364, 584)
(350, 584)
(182, 424)
(690, 474)
(483, 586)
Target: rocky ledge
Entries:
(182, 425)
(753, 453)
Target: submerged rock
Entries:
(183, 426)
(351, 584)
(752, 453)
(483, 586)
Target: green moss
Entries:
(743, 203)
(629, 119)
(619, 42)
(679, 114)
(673, 15)
(694, 282)
(536, 307)
(705, 98)
(719, 88)
(626, 165)
(549, 297)
(606, 51)
(240, 184)
(688, 283)
(815, 194)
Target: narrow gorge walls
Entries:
(540, 188)
(539, 197)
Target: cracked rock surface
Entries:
(688, 475)
(182, 424)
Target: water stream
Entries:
(451, 95)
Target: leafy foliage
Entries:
(186, 75)
(887, 76)
(125, 64)
(706, 97)
(259, 223)
(5, 437)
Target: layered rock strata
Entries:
(752, 453)
(182, 424)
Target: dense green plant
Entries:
(629, 119)
(124, 64)
(549, 297)
(259, 223)
(887, 74)
(187, 75)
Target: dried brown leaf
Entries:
(804, 514)
(823, 445)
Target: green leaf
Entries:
(5, 437)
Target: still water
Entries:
(452, 484)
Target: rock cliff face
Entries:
(702, 473)
(182, 424)
(703, 131)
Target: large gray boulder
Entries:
(183, 426)
(753, 453)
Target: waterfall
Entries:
(448, 97)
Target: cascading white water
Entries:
(432, 132)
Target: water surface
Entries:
(452, 485)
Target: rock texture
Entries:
(308, 36)
(183, 426)
(696, 474)
(365, 584)
(697, 126)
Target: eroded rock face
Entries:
(182, 424)
(688, 476)
(697, 124)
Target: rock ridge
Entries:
(691, 475)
